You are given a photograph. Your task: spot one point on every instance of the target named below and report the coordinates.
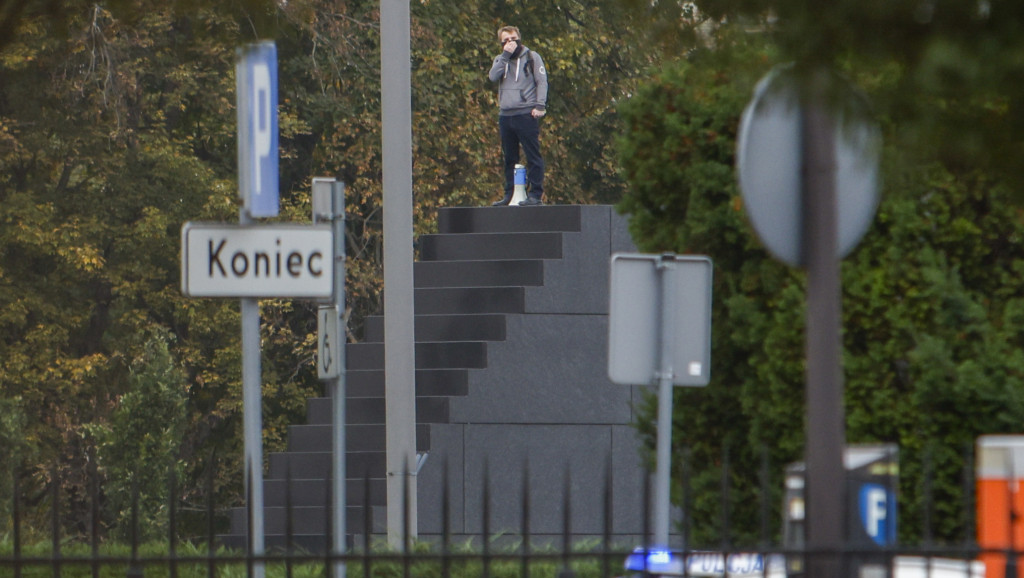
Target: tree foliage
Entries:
(930, 301)
(117, 125)
(953, 68)
(140, 445)
(104, 135)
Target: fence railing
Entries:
(521, 556)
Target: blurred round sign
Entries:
(769, 165)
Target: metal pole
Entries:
(666, 339)
(338, 383)
(252, 411)
(825, 416)
(399, 337)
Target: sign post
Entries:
(329, 205)
(808, 171)
(256, 86)
(252, 426)
(256, 98)
(659, 331)
(247, 261)
(250, 261)
(826, 422)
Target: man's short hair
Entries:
(509, 29)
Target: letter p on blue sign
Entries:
(877, 507)
(256, 82)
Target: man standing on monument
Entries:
(522, 100)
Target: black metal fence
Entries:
(521, 556)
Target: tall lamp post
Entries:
(399, 337)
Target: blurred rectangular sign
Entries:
(654, 297)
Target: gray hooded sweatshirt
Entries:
(521, 88)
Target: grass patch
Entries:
(77, 560)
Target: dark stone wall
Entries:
(511, 333)
(544, 401)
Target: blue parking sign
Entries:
(256, 82)
(877, 506)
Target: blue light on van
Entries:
(654, 561)
(664, 562)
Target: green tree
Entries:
(677, 151)
(139, 448)
(929, 301)
(117, 125)
(953, 68)
(109, 143)
(62, 16)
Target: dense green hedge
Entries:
(931, 306)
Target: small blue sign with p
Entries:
(877, 507)
(256, 81)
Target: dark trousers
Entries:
(522, 130)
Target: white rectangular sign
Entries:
(279, 260)
(329, 343)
